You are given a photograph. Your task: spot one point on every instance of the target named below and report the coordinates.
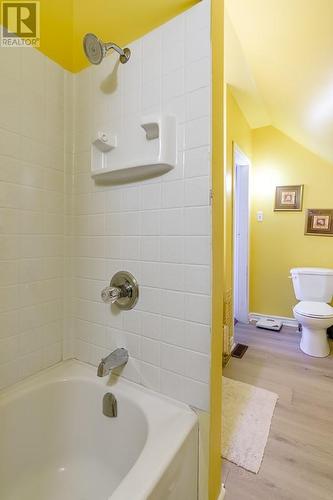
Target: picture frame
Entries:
(319, 222)
(289, 198)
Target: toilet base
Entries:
(314, 342)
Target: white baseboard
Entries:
(222, 493)
(285, 321)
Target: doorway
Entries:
(241, 235)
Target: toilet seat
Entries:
(314, 309)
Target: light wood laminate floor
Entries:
(298, 460)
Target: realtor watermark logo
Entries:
(20, 24)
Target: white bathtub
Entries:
(56, 444)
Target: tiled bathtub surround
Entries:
(31, 212)
(158, 229)
(62, 236)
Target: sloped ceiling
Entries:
(288, 49)
(238, 75)
(64, 22)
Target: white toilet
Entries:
(313, 286)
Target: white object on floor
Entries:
(313, 287)
(246, 419)
(292, 322)
(269, 324)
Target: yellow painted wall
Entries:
(56, 30)
(64, 22)
(239, 132)
(218, 186)
(278, 243)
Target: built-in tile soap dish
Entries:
(145, 148)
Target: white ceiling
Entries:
(279, 61)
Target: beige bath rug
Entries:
(247, 416)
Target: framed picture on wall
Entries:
(319, 222)
(288, 198)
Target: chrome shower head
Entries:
(95, 50)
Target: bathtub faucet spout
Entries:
(117, 358)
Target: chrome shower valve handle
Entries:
(122, 291)
(110, 294)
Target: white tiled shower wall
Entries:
(159, 229)
(31, 212)
(52, 213)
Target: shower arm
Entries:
(113, 46)
(124, 54)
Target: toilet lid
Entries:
(314, 309)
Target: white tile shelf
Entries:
(154, 141)
(134, 173)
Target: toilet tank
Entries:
(313, 283)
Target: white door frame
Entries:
(241, 233)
